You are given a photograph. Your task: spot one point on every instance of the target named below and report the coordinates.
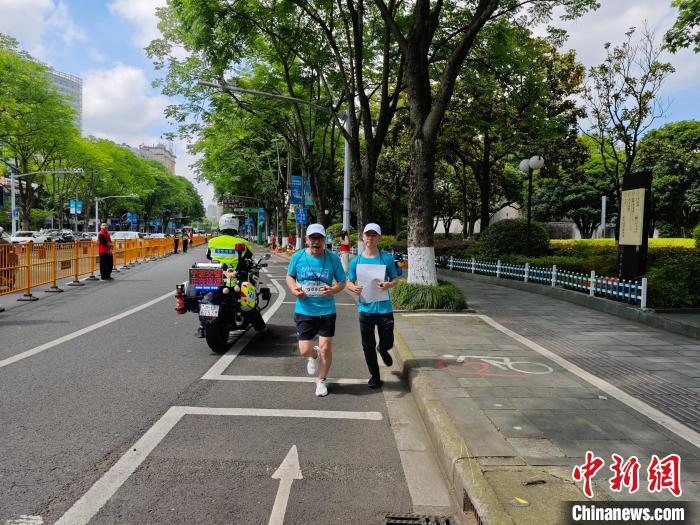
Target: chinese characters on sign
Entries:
(632, 217)
(661, 474)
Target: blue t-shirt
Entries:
(310, 270)
(376, 307)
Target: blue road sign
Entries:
(72, 207)
(249, 221)
(78, 207)
(301, 216)
(295, 194)
(15, 213)
(132, 217)
(262, 215)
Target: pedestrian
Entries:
(378, 313)
(291, 240)
(310, 278)
(176, 241)
(104, 247)
(345, 250)
(185, 242)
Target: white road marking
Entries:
(26, 520)
(104, 488)
(640, 406)
(218, 368)
(287, 472)
(83, 331)
(289, 379)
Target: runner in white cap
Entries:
(310, 278)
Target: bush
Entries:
(509, 237)
(402, 235)
(444, 296)
(674, 281)
(696, 236)
(386, 242)
(335, 229)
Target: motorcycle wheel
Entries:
(216, 334)
(256, 320)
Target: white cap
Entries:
(372, 227)
(315, 229)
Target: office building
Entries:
(71, 88)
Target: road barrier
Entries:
(24, 267)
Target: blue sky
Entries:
(102, 41)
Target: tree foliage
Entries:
(686, 30)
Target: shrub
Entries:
(674, 281)
(402, 235)
(444, 296)
(509, 237)
(696, 236)
(335, 229)
(386, 242)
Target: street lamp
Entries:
(14, 176)
(97, 206)
(528, 166)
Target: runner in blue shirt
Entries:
(379, 314)
(310, 278)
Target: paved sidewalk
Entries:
(522, 389)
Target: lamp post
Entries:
(97, 206)
(528, 166)
(14, 176)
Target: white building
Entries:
(160, 152)
(71, 88)
(213, 212)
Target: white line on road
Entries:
(83, 331)
(218, 368)
(104, 488)
(640, 406)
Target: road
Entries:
(112, 412)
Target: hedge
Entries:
(444, 296)
(510, 236)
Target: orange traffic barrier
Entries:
(24, 267)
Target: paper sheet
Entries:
(368, 275)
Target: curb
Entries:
(607, 306)
(462, 469)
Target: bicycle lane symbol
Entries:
(490, 366)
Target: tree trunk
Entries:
(421, 252)
(485, 200)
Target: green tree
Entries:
(623, 102)
(36, 124)
(686, 30)
(435, 39)
(672, 154)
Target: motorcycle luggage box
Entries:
(265, 294)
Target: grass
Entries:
(444, 296)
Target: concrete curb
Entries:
(462, 469)
(607, 306)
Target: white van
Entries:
(124, 236)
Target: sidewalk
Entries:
(521, 390)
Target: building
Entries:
(71, 88)
(213, 212)
(159, 152)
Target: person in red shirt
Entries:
(104, 245)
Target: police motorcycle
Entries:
(225, 299)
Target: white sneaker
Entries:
(322, 388)
(313, 363)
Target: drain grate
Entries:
(416, 519)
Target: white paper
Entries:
(368, 275)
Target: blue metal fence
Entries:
(631, 292)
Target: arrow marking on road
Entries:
(287, 472)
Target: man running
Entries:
(310, 278)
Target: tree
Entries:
(686, 30)
(672, 154)
(36, 124)
(435, 38)
(623, 103)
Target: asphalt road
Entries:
(113, 412)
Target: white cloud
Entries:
(141, 13)
(118, 104)
(36, 24)
(96, 55)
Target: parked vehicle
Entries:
(22, 237)
(156, 236)
(124, 236)
(225, 299)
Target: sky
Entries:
(102, 42)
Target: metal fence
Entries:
(27, 266)
(626, 291)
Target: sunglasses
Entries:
(316, 237)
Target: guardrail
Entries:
(626, 291)
(27, 266)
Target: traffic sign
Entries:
(262, 216)
(249, 221)
(301, 216)
(72, 207)
(15, 213)
(78, 207)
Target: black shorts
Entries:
(309, 326)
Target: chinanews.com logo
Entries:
(661, 475)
